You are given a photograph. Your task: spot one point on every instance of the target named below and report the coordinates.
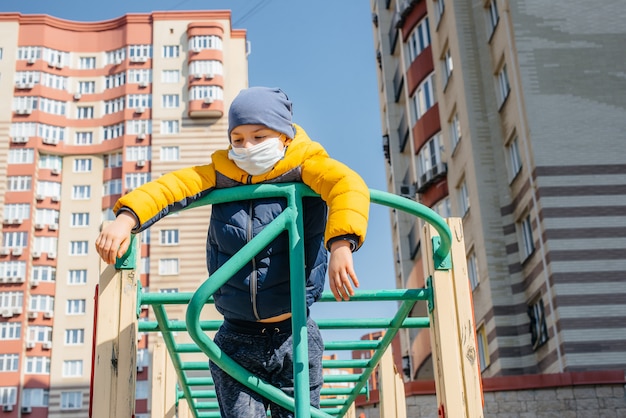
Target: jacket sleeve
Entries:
(343, 190)
(167, 194)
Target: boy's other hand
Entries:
(341, 273)
(114, 239)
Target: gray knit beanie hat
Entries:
(262, 106)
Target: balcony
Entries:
(431, 176)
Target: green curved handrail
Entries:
(291, 221)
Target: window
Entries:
(139, 76)
(113, 131)
(75, 306)
(39, 334)
(504, 87)
(429, 164)
(41, 303)
(114, 105)
(49, 189)
(77, 277)
(170, 76)
(538, 327)
(493, 15)
(514, 160)
(116, 56)
(200, 42)
(46, 244)
(12, 269)
(82, 165)
(439, 9)
(18, 211)
(74, 336)
(115, 80)
(171, 51)
(86, 87)
(44, 273)
(446, 67)
(83, 138)
(463, 196)
(71, 400)
(54, 107)
(37, 365)
(72, 368)
(139, 52)
(80, 219)
(51, 162)
(8, 395)
(35, 397)
(169, 237)
(51, 134)
(138, 153)
(142, 389)
(203, 92)
(169, 127)
(87, 63)
(111, 187)
(443, 208)
(136, 127)
(170, 101)
(113, 160)
(527, 243)
(10, 330)
(134, 180)
(15, 239)
(82, 192)
(79, 247)
(205, 68)
(21, 156)
(472, 270)
(418, 40)
(9, 362)
(145, 265)
(483, 348)
(136, 101)
(168, 266)
(170, 153)
(424, 98)
(84, 112)
(19, 183)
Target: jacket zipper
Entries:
(253, 275)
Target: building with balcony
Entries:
(509, 114)
(91, 111)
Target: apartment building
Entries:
(91, 111)
(510, 115)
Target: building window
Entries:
(35, 397)
(113, 160)
(418, 41)
(75, 307)
(114, 105)
(84, 112)
(37, 365)
(514, 159)
(41, 303)
(82, 192)
(205, 68)
(39, 334)
(115, 80)
(169, 237)
(203, 92)
(504, 88)
(49, 189)
(472, 270)
(424, 98)
(139, 52)
(139, 101)
(429, 164)
(142, 389)
(170, 101)
(44, 274)
(9, 362)
(72, 368)
(79, 247)
(83, 138)
(21, 156)
(493, 16)
(526, 241)
(138, 127)
(8, 395)
(446, 67)
(82, 165)
(52, 162)
(171, 51)
(46, 217)
(145, 265)
(463, 196)
(439, 9)
(168, 266)
(138, 153)
(140, 76)
(170, 153)
(170, 76)
(19, 183)
(11, 269)
(134, 180)
(80, 219)
(19, 211)
(77, 277)
(169, 127)
(87, 87)
(538, 327)
(443, 208)
(200, 42)
(455, 131)
(15, 240)
(111, 187)
(483, 348)
(74, 336)
(71, 400)
(10, 330)
(87, 63)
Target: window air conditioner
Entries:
(35, 254)
(50, 141)
(208, 100)
(5, 251)
(53, 227)
(209, 76)
(48, 314)
(20, 279)
(197, 76)
(47, 345)
(118, 61)
(141, 163)
(19, 139)
(30, 85)
(33, 283)
(140, 110)
(39, 197)
(20, 85)
(7, 313)
(56, 171)
(56, 198)
(196, 49)
(31, 60)
(30, 344)
(139, 369)
(16, 252)
(33, 314)
(27, 410)
(143, 84)
(77, 96)
(141, 136)
(7, 408)
(16, 221)
(52, 256)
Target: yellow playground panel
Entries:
(181, 385)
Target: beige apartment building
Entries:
(511, 115)
(90, 111)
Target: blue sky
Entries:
(321, 54)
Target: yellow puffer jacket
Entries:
(343, 190)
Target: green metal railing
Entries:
(335, 401)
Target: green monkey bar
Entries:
(340, 390)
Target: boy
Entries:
(266, 147)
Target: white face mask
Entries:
(258, 159)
